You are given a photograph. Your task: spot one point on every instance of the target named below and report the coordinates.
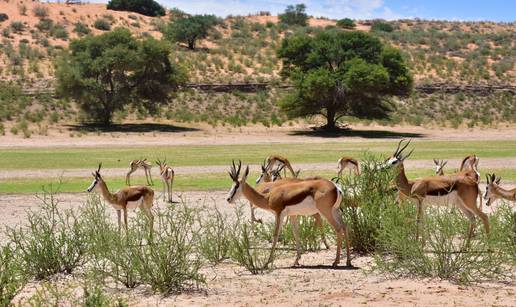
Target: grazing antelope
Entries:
(306, 197)
(135, 165)
(125, 198)
(347, 162)
(272, 160)
(439, 167)
(460, 189)
(167, 176)
(494, 191)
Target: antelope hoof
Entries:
(348, 264)
(335, 264)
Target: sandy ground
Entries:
(491, 163)
(314, 283)
(201, 135)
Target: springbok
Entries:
(460, 189)
(136, 164)
(306, 197)
(471, 163)
(494, 191)
(167, 176)
(131, 197)
(439, 167)
(272, 160)
(347, 162)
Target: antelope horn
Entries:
(397, 148)
(100, 165)
(403, 148)
(406, 156)
(487, 178)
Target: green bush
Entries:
(294, 15)
(45, 24)
(52, 242)
(12, 276)
(214, 239)
(40, 11)
(3, 17)
(346, 23)
(17, 26)
(144, 7)
(81, 29)
(381, 26)
(102, 24)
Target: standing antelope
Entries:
(136, 164)
(126, 198)
(471, 163)
(347, 162)
(460, 189)
(167, 176)
(272, 160)
(439, 167)
(494, 191)
(295, 198)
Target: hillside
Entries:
(242, 49)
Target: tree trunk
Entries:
(191, 45)
(330, 119)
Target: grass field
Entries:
(67, 158)
(183, 182)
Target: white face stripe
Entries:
(92, 185)
(233, 193)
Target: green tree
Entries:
(105, 73)
(294, 15)
(346, 23)
(337, 73)
(190, 29)
(144, 7)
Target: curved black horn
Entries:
(408, 155)
(100, 165)
(403, 148)
(397, 148)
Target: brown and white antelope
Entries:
(272, 160)
(135, 165)
(459, 189)
(494, 191)
(439, 167)
(167, 176)
(350, 163)
(306, 197)
(131, 197)
(470, 163)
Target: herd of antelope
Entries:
(318, 197)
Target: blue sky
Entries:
(493, 10)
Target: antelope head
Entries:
(439, 166)
(398, 157)
(236, 189)
(96, 179)
(492, 183)
(264, 176)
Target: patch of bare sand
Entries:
(453, 165)
(312, 284)
(205, 135)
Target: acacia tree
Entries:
(294, 15)
(105, 73)
(190, 29)
(338, 73)
(144, 7)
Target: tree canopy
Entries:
(294, 15)
(346, 23)
(144, 7)
(105, 73)
(337, 73)
(190, 29)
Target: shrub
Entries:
(346, 23)
(144, 7)
(58, 31)
(190, 29)
(3, 17)
(52, 242)
(381, 26)
(17, 26)
(81, 29)
(12, 277)
(40, 11)
(214, 240)
(102, 24)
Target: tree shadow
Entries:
(143, 127)
(323, 267)
(368, 134)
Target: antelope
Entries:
(306, 197)
(167, 176)
(275, 177)
(272, 160)
(439, 167)
(126, 198)
(471, 163)
(347, 162)
(461, 189)
(494, 191)
(135, 165)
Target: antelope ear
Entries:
(445, 162)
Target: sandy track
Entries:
(492, 163)
(252, 135)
